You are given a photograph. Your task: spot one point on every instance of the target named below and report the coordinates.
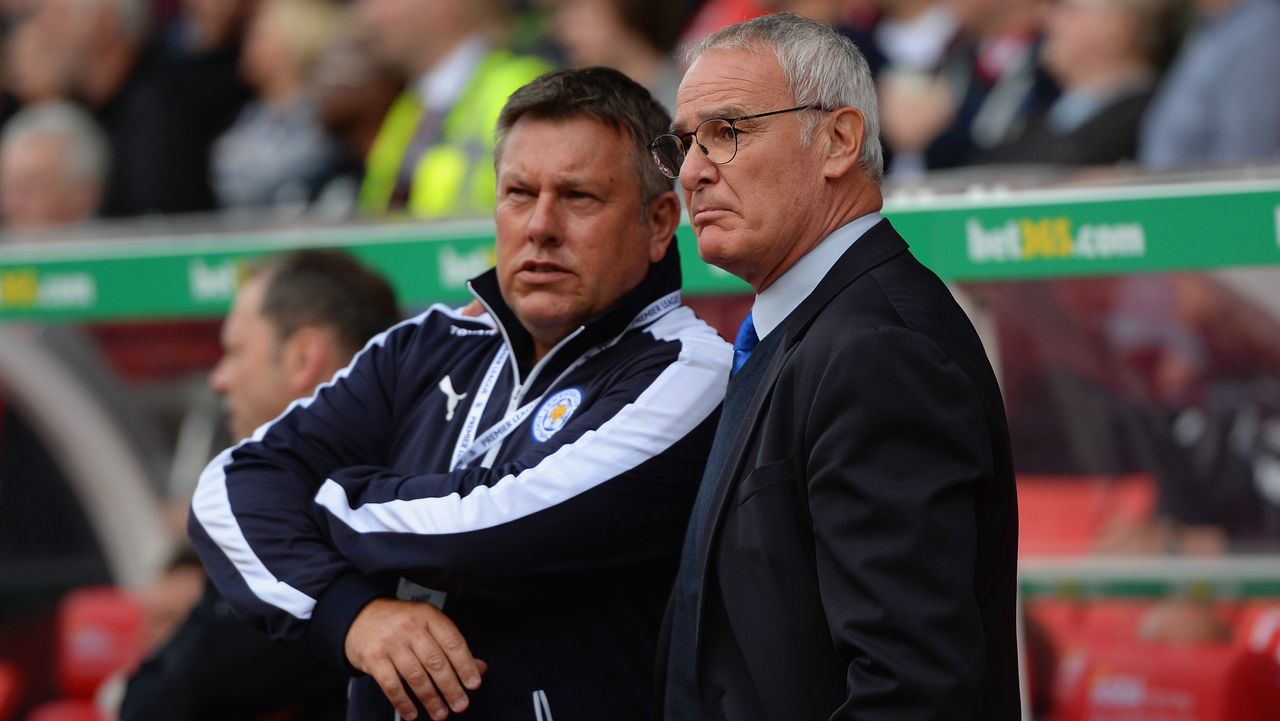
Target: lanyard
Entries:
(467, 437)
(470, 446)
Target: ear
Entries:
(306, 359)
(663, 217)
(844, 132)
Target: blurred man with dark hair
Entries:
(527, 472)
(297, 320)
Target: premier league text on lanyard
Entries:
(470, 446)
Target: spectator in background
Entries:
(912, 36)
(171, 596)
(353, 89)
(636, 37)
(207, 26)
(204, 43)
(297, 320)
(989, 85)
(433, 156)
(32, 73)
(1220, 102)
(53, 163)
(278, 152)
(899, 36)
(1106, 55)
(904, 41)
(158, 160)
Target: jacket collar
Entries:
(880, 243)
(662, 280)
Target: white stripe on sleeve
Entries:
(211, 505)
(677, 401)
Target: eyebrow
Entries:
(722, 111)
(571, 181)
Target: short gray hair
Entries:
(822, 68)
(85, 150)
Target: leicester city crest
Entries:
(555, 412)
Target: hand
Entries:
(399, 642)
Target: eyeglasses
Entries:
(716, 137)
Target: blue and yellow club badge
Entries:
(555, 412)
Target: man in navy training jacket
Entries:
(527, 473)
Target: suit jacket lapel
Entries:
(729, 473)
(877, 245)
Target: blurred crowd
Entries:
(127, 108)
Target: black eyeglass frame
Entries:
(733, 128)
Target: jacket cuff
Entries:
(335, 610)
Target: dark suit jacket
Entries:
(862, 540)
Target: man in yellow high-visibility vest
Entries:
(433, 156)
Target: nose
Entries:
(544, 221)
(218, 380)
(697, 169)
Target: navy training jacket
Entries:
(552, 547)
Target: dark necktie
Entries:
(744, 344)
(683, 700)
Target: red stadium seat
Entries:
(1066, 514)
(78, 710)
(101, 631)
(10, 690)
(1137, 682)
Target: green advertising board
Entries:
(977, 236)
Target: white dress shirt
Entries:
(776, 302)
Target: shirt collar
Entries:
(443, 84)
(776, 302)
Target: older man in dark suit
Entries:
(851, 553)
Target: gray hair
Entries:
(85, 151)
(822, 68)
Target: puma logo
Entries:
(451, 398)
